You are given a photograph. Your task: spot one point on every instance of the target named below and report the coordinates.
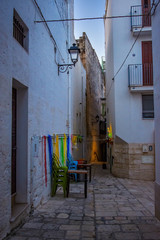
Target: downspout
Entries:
(69, 78)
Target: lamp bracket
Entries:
(64, 67)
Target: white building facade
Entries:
(129, 89)
(156, 73)
(34, 100)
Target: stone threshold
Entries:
(17, 210)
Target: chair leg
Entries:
(85, 186)
(68, 184)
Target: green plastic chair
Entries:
(59, 176)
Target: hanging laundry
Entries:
(71, 147)
(65, 148)
(68, 147)
(54, 143)
(109, 129)
(45, 160)
(57, 146)
(62, 152)
(42, 161)
(80, 139)
(74, 141)
(50, 148)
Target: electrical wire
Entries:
(156, 5)
(87, 18)
(128, 53)
(149, 14)
(124, 61)
(49, 31)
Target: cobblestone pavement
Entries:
(115, 209)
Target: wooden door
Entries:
(147, 63)
(146, 7)
(14, 120)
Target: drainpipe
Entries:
(69, 105)
(69, 78)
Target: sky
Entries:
(93, 28)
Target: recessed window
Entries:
(147, 106)
(20, 30)
(103, 107)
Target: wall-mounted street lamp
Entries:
(74, 52)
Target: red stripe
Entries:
(45, 161)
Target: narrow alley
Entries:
(115, 209)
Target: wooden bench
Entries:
(85, 172)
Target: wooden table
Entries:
(85, 166)
(85, 172)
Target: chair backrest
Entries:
(55, 161)
(69, 160)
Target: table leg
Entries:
(85, 186)
(68, 183)
(90, 173)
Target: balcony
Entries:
(137, 20)
(140, 77)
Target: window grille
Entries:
(20, 30)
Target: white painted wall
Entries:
(129, 124)
(109, 58)
(78, 109)
(44, 105)
(156, 63)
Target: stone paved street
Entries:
(116, 209)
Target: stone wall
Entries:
(94, 92)
(135, 161)
(120, 166)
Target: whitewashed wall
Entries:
(78, 108)
(156, 62)
(126, 107)
(109, 59)
(43, 99)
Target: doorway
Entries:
(19, 149)
(146, 7)
(147, 63)
(14, 123)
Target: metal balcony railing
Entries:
(140, 20)
(140, 75)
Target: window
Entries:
(102, 127)
(103, 107)
(147, 106)
(20, 30)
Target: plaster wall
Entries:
(128, 106)
(78, 109)
(156, 62)
(124, 109)
(129, 109)
(42, 97)
(109, 58)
